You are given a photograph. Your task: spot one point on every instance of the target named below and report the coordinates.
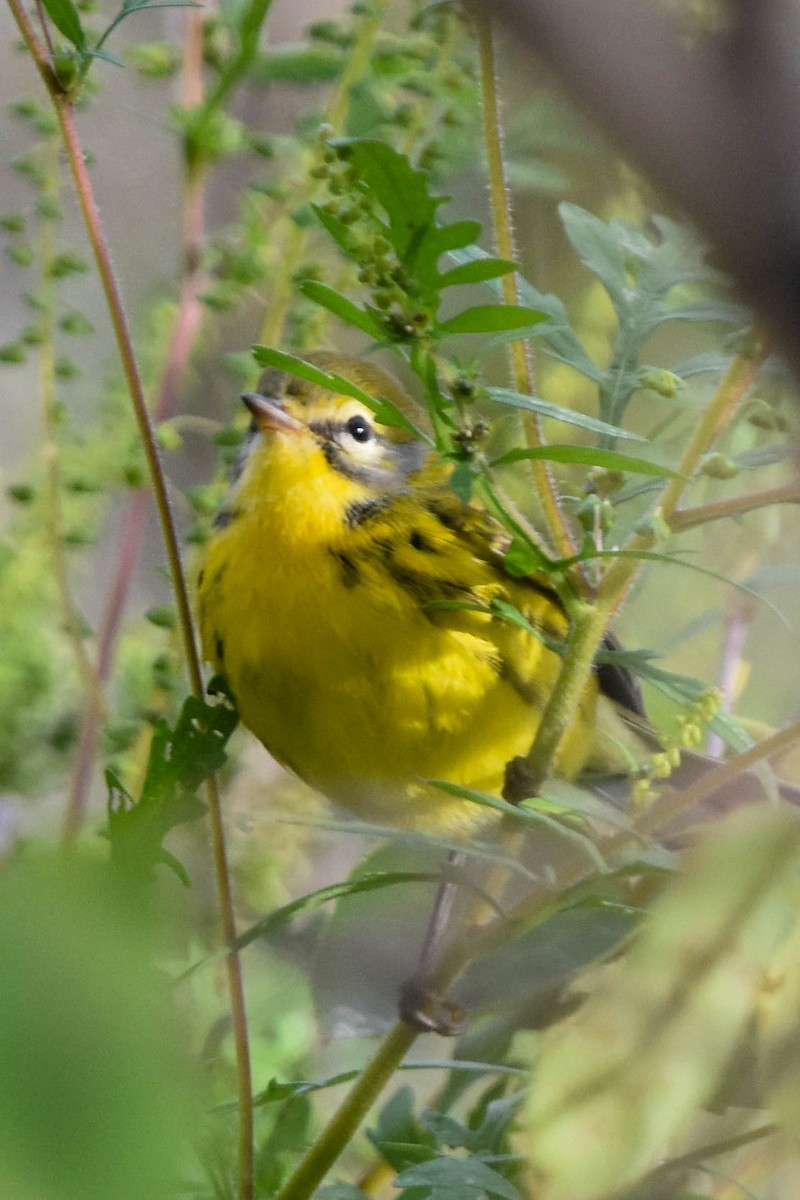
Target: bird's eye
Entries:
(359, 429)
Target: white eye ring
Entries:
(360, 429)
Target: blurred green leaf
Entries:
(628, 1072)
(591, 456)
(94, 1095)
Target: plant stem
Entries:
(733, 387)
(734, 506)
(502, 225)
(70, 616)
(588, 623)
(340, 1129)
(66, 117)
(295, 238)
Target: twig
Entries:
(63, 105)
(502, 224)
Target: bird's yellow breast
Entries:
(363, 657)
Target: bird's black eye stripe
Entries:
(359, 428)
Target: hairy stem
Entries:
(502, 225)
(63, 105)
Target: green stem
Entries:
(348, 1117)
(587, 625)
(733, 387)
(296, 238)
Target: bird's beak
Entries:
(268, 413)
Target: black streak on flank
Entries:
(420, 542)
(219, 649)
(224, 517)
(361, 510)
(350, 572)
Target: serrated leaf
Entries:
(478, 271)
(340, 306)
(181, 758)
(400, 189)
(557, 333)
(597, 249)
(492, 318)
(553, 411)
(591, 456)
(66, 19)
(456, 1178)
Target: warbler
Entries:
(350, 599)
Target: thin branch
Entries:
(734, 506)
(502, 224)
(66, 117)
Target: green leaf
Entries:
(400, 189)
(530, 811)
(557, 333)
(598, 249)
(300, 64)
(180, 759)
(66, 19)
(591, 456)
(337, 229)
(455, 236)
(628, 1073)
(478, 271)
(553, 411)
(341, 307)
(492, 318)
(267, 356)
(454, 1178)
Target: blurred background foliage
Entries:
(206, 155)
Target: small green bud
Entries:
(66, 369)
(21, 493)
(12, 352)
(163, 617)
(21, 253)
(12, 223)
(48, 210)
(657, 379)
(67, 263)
(760, 414)
(134, 475)
(653, 526)
(154, 60)
(76, 324)
(168, 437)
(718, 466)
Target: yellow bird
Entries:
(320, 599)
